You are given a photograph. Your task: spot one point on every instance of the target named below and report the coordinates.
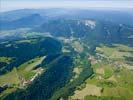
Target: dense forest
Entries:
(23, 51)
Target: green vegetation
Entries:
(22, 51)
(92, 59)
(7, 92)
(15, 78)
(32, 34)
(26, 70)
(5, 59)
(57, 75)
(116, 82)
(116, 52)
(106, 83)
(68, 89)
(10, 78)
(77, 46)
(26, 41)
(108, 72)
(103, 98)
(111, 74)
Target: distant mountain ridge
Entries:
(118, 16)
(28, 21)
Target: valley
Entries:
(65, 57)
(112, 76)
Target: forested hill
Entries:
(21, 51)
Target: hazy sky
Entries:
(6, 5)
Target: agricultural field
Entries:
(109, 81)
(116, 51)
(118, 54)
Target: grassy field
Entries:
(109, 81)
(116, 83)
(10, 78)
(26, 70)
(77, 46)
(117, 51)
(14, 78)
(26, 41)
(5, 59)
(6, 92)
(90, 89)
(106, 88)
(102, 98)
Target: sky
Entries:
(7, 5)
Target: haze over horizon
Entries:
(7, 5)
